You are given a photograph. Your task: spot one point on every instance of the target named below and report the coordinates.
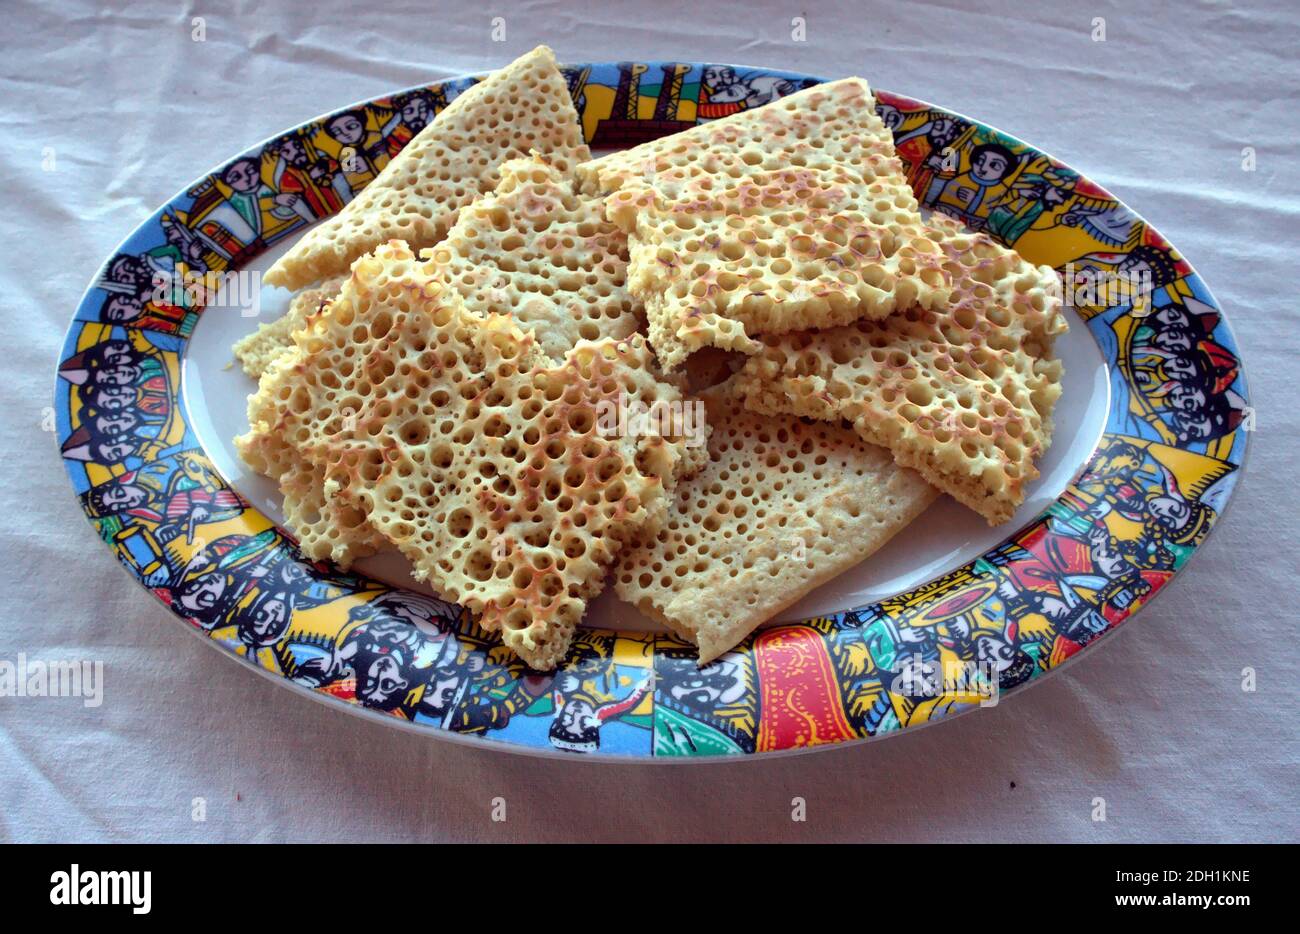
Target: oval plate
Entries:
(1154, 484)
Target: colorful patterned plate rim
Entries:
(1172, 450)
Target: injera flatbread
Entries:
(541, 252)
(793, 215)
(256, 351)
(782, 506)
(471, 451)
(534, 248)
(964, 396)
(522, 107)
(326, 530)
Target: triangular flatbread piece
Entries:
(522, 107)
(794, 215)
(534, 248)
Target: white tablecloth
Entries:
(106, 114)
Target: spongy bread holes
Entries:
(415, 432)
(581, 420)
(919, 393)
(991, 365)
(460, 523)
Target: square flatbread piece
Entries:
(483, 461)
(534, 248)
(794, 215)
(964, 396)
(782, 506)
